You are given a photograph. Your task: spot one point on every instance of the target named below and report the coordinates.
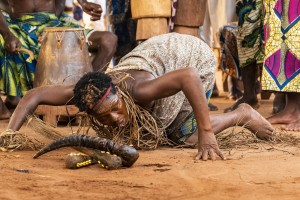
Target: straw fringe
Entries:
(13, 140)
(245, 140)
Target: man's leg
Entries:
(279, 102)
(245, 116)
(290, 115)
(4, 112)
(11, 102)
(249, 79)
(212, 107)
(103, 45)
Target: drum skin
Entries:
(63, 57)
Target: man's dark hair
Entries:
(90, 88)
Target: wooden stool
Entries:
(50, 114)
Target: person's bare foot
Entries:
(293, 126)
(253, 103)
(255, 122)
(286, 116)
(291, 113)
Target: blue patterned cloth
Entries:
(122, 25)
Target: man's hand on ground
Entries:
(208, 148)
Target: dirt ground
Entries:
(165, 173)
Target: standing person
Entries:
(159, 89)
(218, 13)
(122, 24)
(21, 28)
(282, 62)
(250, 52)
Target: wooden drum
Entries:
(190, 16)
(63, 57)
(187, 30)
(152, 16)
(150, 8)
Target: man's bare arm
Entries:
(11, 43)
(3, 25)
(188, 81)
(45, 95)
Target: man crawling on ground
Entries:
(157, 93)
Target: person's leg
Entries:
(290, 115)
(11, 102)
(4, 112)
(279, 102)
(212, 107)
(235, 90)
(249, 79)
(103, 45)
(245, 116)
(215, 92)
(249, 47)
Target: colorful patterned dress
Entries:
(17, 71)
(249, 34)
(282, 35)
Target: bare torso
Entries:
(17, 8)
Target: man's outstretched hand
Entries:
(92, 9)
(208, 148)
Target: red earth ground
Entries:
(166, 173)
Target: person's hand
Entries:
(11, 43)
(208, 147)
(93, 9)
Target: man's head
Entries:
(95, 94)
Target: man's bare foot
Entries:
(252, 120)
(253, 103)
(286, 116)
(293, 126)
